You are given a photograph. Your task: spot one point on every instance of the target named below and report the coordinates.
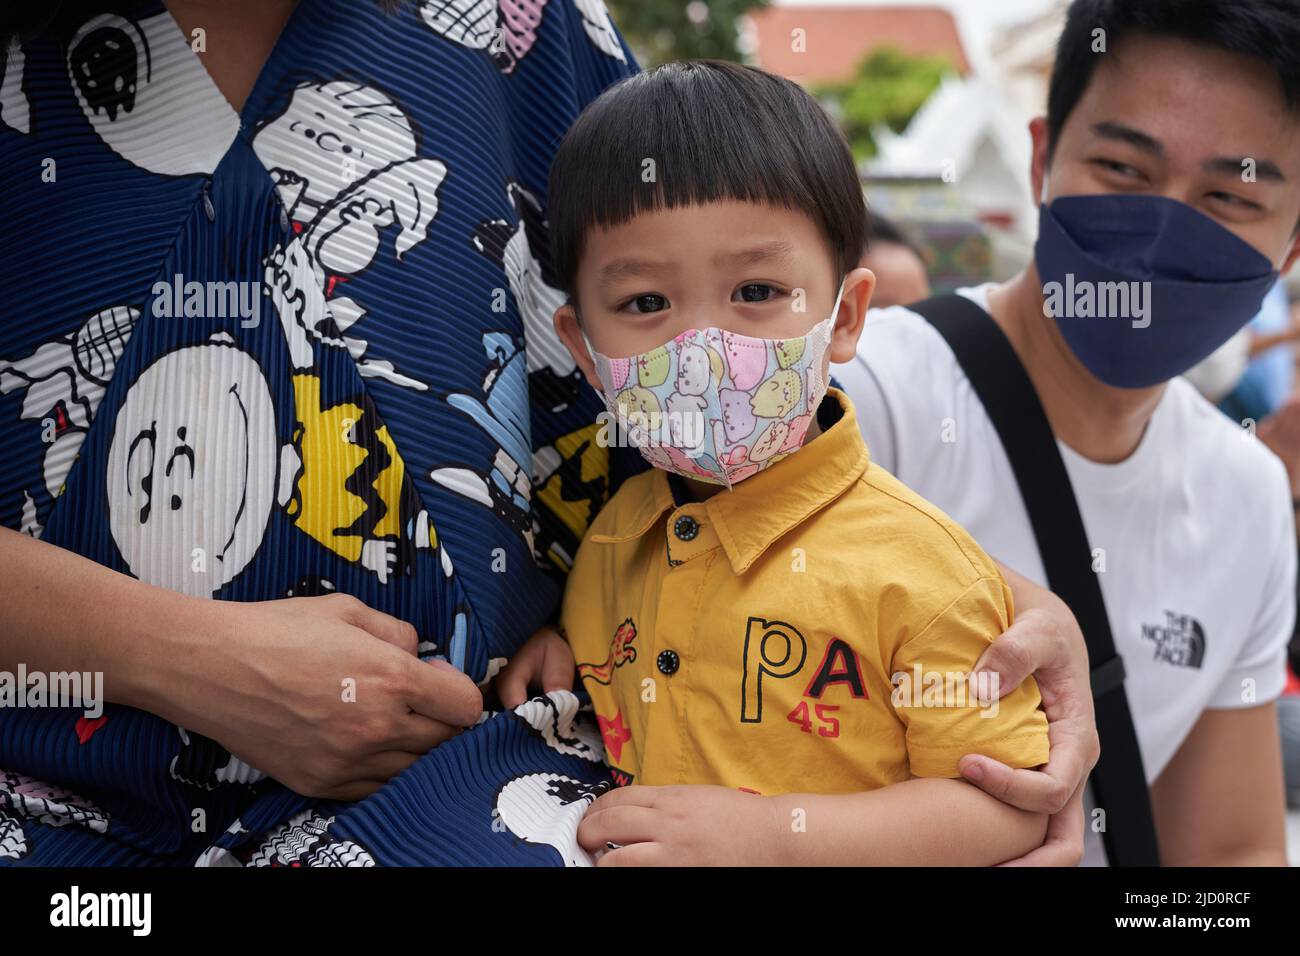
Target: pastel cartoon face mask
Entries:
(715, 405)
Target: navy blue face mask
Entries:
(1144, 287)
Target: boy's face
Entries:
(760, 270)
(1191, 122)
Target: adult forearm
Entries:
(1027, 595)
(63, 612)
(920, 822)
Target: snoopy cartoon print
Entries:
(545, 809)
(190, 478)
(345, 160)
(500, 412)
(342, 480)
(521, 248)
(65, 381)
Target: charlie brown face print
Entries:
(191, 469)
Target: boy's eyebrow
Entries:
(631, 267)
(1264, 168)
(778, 250)
(1133, 137)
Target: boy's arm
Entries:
(919, 822)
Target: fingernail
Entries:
(974, 770)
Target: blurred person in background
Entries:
(898, 263)
(1154, 111)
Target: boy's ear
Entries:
(570, 333)
(859, 284)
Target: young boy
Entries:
(765, 621)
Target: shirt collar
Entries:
(756, 512)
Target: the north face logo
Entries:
(1180, 640)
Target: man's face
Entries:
(1191, 122)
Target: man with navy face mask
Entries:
(1168, 166)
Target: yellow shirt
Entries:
(812, 629)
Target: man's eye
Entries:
(648, 303)
(1229, 199)
(756, 292)
(1122, 169)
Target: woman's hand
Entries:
(1045, 641)
(544, 663)
(324, 694)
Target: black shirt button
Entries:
(668, 662)
(686, 527)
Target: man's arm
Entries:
(1220, 800)
(1044, 641)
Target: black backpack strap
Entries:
(1118, 781)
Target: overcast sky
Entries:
(976, 16)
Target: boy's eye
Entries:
(648, 303)
(756, 292)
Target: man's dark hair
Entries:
(1267, 30)
(715, 131)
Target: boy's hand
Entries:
(684, 826)
(544, 663)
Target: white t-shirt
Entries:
(1194, 530)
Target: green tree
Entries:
(887, 89)
(662, 30)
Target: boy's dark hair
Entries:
(716, 131)
(1267, 30)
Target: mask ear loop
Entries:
(600, 360)
(825, 339)
(583, 329)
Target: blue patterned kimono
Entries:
(301, 349)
